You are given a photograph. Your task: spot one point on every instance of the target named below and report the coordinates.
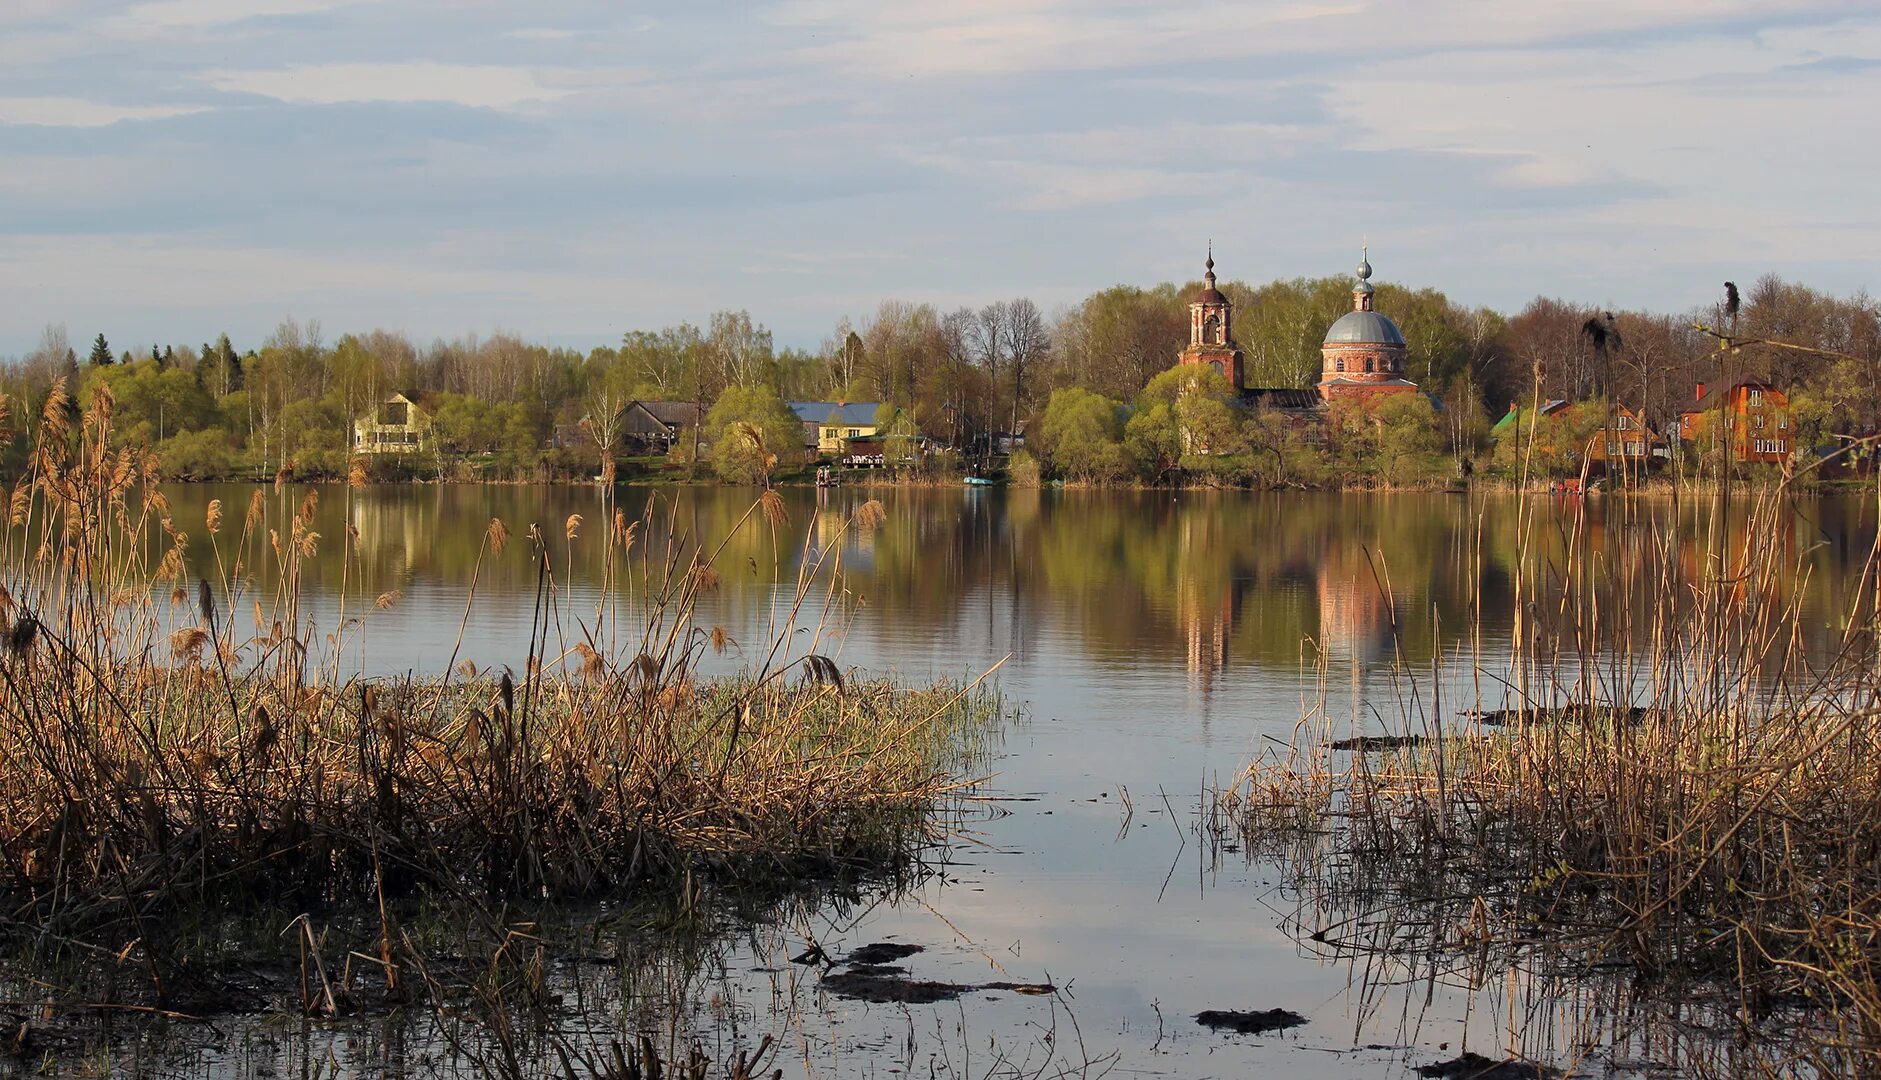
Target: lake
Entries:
(1154, 643)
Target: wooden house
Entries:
(394, 426)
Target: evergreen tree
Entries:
(100, 351)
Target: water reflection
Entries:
(1156, 643)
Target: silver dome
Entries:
(1364, 328)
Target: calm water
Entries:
(1155, 642)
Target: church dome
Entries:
(1364, 328)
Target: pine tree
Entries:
(100, 351)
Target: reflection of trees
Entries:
(1210, 581)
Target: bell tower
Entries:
(1211, 330)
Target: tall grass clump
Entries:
(160, 758)
(1681, 802)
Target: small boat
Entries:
(826, 477)
(980, 481)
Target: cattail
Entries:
(309, 544)
(281, 477)
(498, 536)
(775, 511)
(6, 603)
(20, 504)
(20, 639)
(206, 601)
(187, 643)
(704, 578)
(213, 517)
(356, 473)
(593, 665)
(720, 639)
(386, 600)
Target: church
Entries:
(1361, 358)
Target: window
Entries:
(1340, 367)
(1757, 422)
(853, 432)
(1756, 397)
(1783, 422)
(393, 413)
(1368, 365)
(1626, 422)
(1211, 330)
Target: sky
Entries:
(568, 170)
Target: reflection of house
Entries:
(1362, 357)
(654, 426)
(1756, 419)
(827, 423)
(395, 426)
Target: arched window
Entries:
(1368, 365)
(1339, 367)
(1211, 330)
(1216, 364)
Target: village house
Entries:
(394, 426)
(827, 425)
(1624, 436)
(652, 427)
(1756, 417)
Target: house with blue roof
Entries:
(826, 424)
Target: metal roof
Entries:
(857, 413)
(1364, 328)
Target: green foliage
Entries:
(1081, 435)
(197, 455)
(753, 433)
(101, 352)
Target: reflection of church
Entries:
(1361, 358)
(1354, 613)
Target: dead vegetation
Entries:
(1675, 826)
(163, 765)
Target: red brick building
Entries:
(1363, 354)
(1756, 421)
(1211, 331)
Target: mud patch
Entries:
(891, 989)
(1250, 1022)
(1367, 743)
(882, 952)
(1477, 1067)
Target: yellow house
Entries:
(827, 424)
(395, 426)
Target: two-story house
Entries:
(1755, 418)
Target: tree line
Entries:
(520, 409)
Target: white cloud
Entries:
(189, 14)
(478, 86)
(79, 113)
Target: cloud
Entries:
(190, 14)
(476, 86)
(79, 113)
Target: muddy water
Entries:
(1154, 644)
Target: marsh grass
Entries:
(164, 768)
(1674, 831)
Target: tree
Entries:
(753, 432)
(1081, 435)
(100, 352)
